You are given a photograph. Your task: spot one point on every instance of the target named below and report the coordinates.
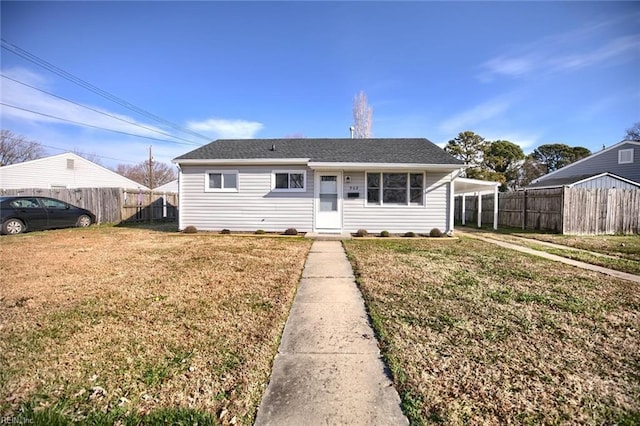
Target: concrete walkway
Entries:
(576, 263)
(328, 370)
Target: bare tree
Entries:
(160, 174)
(530, 169)
(633, 133)
(91, 156)
(362, 116)
(296, 135)
(17, 149)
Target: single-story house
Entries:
(63, 171)
(318, 185)
(619, 161)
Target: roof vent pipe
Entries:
(352, 130)
(273, 147)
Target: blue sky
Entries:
(528, 72)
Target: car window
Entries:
(25, 203)
(54, 204)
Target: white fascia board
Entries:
(612, 175)
(382, 166)
(241, 161)
(545, 187)
(477, 182)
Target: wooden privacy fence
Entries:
(564, 210)
(113, 205)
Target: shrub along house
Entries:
(318, 185)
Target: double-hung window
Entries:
(401, 189)
(289, 180)
(221, 181)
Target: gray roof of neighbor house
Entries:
(569, 180)
(603, 161)
(561, 181)
(407, 151)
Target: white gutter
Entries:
(241, 161)
(381, 166)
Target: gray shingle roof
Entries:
(409, 151)
(567, 180)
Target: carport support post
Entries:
(495, 207)
(464, 221)
(479, 195)
(452, 203)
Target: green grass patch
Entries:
(60, 415)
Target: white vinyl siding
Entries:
(52, 172)
(395, 218)
(605, 182)
(254, 206)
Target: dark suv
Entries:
(31, 213)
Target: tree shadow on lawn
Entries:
(159, 226)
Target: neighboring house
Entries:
(168, 187)
(592, 181)
(321, 185)
(620, 161)
(62, 171)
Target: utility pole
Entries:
(150, 185)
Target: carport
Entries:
(474, 187)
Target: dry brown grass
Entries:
(618, 252)
(479, 334)
(155, 319)
(623, 246)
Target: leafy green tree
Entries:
(557, 155)
(468, 147)
(502, 160)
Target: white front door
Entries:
(328, 201)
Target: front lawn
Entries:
(475, 333)
(622, 246)
(107, 325)
(618, 252)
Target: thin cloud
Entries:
(620, 47)
(476, 115)
(564, 52)
(227, 129)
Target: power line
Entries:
(77, 80)
(88, 154)
(91, 125)
(98, 111)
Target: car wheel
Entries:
(84, 221)
(13, 226)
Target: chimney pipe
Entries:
(352, 131)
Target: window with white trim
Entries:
(289, 180)
(625, 156)
(400, 189)
(221, 181)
